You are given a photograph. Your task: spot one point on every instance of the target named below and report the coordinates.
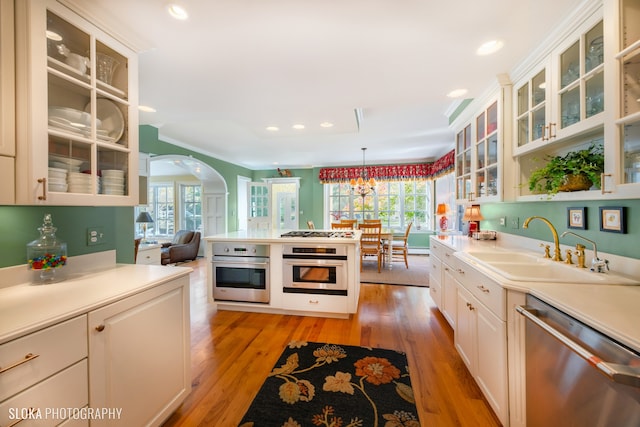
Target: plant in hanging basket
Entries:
(575, 171)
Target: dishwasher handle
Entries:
(628, 375)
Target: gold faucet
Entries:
(556, 251)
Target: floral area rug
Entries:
(318, 384)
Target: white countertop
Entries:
(612, 309)
(25, 308)
(273, 236)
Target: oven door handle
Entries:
(628, 375)
(246, 264)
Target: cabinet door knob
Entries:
(100, 328)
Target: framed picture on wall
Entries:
(612, 219)
(576, 218)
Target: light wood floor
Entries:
(232, 353)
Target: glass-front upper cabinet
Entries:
(464, 190)
(486, 153)
(564, 96)
(628, 122)
(76, 110)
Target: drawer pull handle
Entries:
(460, 271)
(19, 420)
(100, 328)
(470, 306)
(28, 357)
(483, 289)
(314, 302)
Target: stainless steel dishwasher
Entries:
(577, 376)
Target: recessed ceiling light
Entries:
(177, 11)
(326, 124)
(457, 93)
(146, 109)
(490, 47)
(298, 126)
(272, 128)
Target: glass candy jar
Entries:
(47, 253)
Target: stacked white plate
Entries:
(57, 180)
(80, 182)
(66, 163)
(113, 182)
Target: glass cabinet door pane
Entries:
(594, 103)
(460, 142)
(492, 150)
(480, 184)
(570, 107)
(523, 99)
(523, 131)
(480, 155)
(492, 118)
(538, 119)
(631, 141)
(467, 137)
(467, 162)
(594, 48)
(630, 22)
(538, 89)
(480, 127)
(492, 181)
(570, 65)
(631, 84)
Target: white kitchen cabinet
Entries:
(139, 349)
(76, 110)
(480, 149)
(149, 254)
(45, 369)
(622, 151)
(481, 336)
(7, 104)
(435, 275)
(443, 267)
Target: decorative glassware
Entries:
(47, 253)
(105, 67)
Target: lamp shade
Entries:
(144, 217)
(472, 213)
(442, 209)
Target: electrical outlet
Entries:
(503, 221)
(95, 236)
(515, 223)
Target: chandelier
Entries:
(363, 185)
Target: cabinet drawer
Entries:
(316, 303)
(50, 400)
(487, 291)
(54, 349)
(149, 256)
(435, 270)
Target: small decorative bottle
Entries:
(47, 253)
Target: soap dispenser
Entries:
(46, 254)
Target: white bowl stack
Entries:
(113, 182)
(80, 182)
(57, 180)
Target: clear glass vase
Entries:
(46, 254)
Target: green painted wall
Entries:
(556, 212)
(19, 226)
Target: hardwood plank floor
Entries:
(233, 352)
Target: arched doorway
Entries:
(214, 187)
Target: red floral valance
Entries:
(391, 172)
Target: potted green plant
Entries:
(576, 170)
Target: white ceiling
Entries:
(237, 66)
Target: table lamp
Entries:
(443, 209)
(474, 216)
(144, 218)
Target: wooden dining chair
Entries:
(372, 221)
(398, 249)
(370, 244)
(341, 226)
(352, 222)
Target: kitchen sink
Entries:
(524, 267)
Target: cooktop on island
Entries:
(319, 233)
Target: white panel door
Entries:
(259, 206)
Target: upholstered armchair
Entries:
(184, 247)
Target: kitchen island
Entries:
(308, 272)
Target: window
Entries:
(190, 207)
(162, 210)
(396, 203)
